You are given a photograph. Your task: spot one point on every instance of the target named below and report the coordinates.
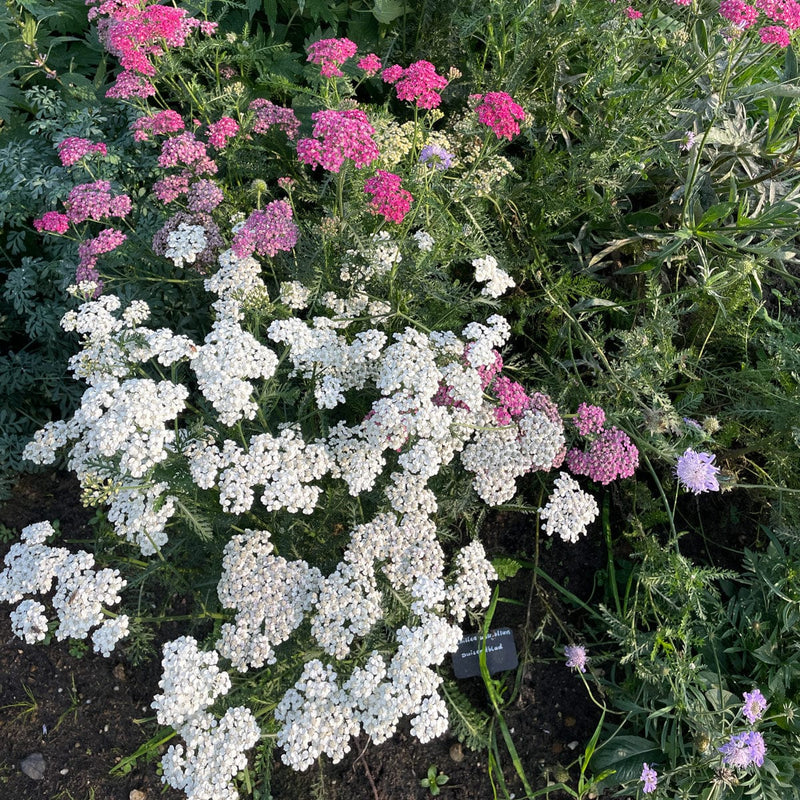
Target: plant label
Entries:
(501, 653)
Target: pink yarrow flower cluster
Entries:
(161, 123)
(339, 135)
(500, 112)
(95, 201)
(388, 199)
(589, 419)
(107, 240)
(72, 149)
(785, 12)
(52, 222)
(221, 131)
(268, 114)
(610, 456)
(186, 150)
(330, 54)
(370, 64)
(266, 232)
(136, 32)
(419, 82)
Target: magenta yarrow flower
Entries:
(268, 114)
(775, 34)
(163, 122)
(576, 657)
(52, 222)
(632, 13)
(419, 82)
(589, 419)
(739, 13)
(744, 749)
(696, 472)
(107, 240)
(649, 778)
(370, 65)
(755, 704)
(266, 232)
(388, 199)
(339, 135)
(73, 149)
(500, 112)
(330, 54)
(219, 132)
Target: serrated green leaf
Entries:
(506, 567)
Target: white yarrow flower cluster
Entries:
(488, 272)
(295, 295)
(270, 595)
(424, 240)
(569, 510)
(185, 243)
(81, 594)
(214, 751)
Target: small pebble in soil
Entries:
(64, 771)
(137, 794)
(457, 752)
(33, 766)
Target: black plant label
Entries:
(501, 653)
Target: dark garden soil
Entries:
(84, 713)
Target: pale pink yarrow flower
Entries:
(266, 232)
(775, 34)
(370, 65)
(388, 199)
(612, 455)
(52, 222)
(172, 187)
(632, 13)
(499, 111)
(219, 132)
(339, 135)
(330, 54)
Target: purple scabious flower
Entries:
(435, 156)
(696, 472)
(744, 749)
(576, 657)
(755, 704)
(649, 778)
